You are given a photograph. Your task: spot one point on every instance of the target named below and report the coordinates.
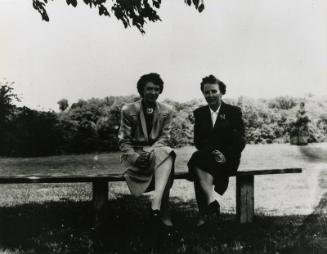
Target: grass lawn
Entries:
(56, 218)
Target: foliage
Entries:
(7, 98)
(322, 124)
(31, 133)
(63, 104)
(282, 103)
(7, 109)
(182, 124)
(181, 130)
(135, 13)
(92, 125)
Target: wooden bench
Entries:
(244, 188)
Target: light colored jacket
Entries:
(133, 133)
(133, 138)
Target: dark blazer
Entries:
(227, 135)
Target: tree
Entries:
(32, 133)
(63, 104)
(129, 12)
(7, 97)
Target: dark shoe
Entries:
(153, 233)
(159, 235)
(160, 228)
(155, 216)
(213, 209)
(209, 213)
(156, 219)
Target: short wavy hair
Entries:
(151, 77)
(211, 79)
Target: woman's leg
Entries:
(203, 186)
(165, 214)
(161, 189)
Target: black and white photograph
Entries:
(163, 126)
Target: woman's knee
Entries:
(170, 159)
(166, 165)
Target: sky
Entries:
(259, 48)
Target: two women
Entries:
(149, 161)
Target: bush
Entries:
(32, 133)
(92, 125)
(284, 103)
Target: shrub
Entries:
(92, 125)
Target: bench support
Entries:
(245, 198)
(100, 197)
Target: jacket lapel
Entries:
(221, 115)
(143, 123)
(155, 121)
(207, 117)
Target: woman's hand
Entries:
(219, 156)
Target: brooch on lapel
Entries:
(149, 110)
(222, 117)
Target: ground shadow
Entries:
(313, 153)
(311, 236)
(66, 227)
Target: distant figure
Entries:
(300, 130)
(143, 140)
(219, 139)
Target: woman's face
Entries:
(151, 92)
(212, 94)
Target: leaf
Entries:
(201, 7)
(45, 16)
(72, 2)
(189, 2)
(156, 3)
(120, 15)
(39, 6)
(103, 10)
(88, 2)
(196, 3)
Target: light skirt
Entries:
(138, 179)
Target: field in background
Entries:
(53, 218)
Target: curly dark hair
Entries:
(211, 79)
(151, 77)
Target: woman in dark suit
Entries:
(219, 139)
(143, 140)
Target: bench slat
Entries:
(269, 171)
(113, 177)
(61, 179)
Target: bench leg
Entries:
(100, 197)
(245, 199)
